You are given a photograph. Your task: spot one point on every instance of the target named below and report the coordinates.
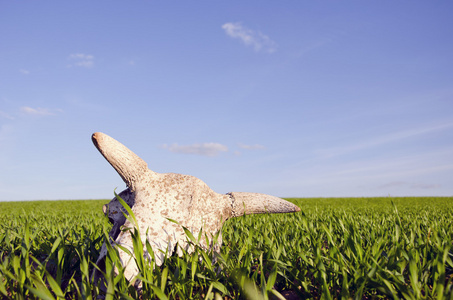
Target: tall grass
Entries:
(368, 248)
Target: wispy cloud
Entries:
(384, 139)
(25, 72)
(403, 184)
(81, 60)
(251, 147)
(205, 149)
(392, 184)
(250, 37)
(397, 168)
(425, 186)
(39, 111)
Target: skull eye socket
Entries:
(111, 220)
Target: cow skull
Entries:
(155, 198)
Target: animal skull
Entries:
(154, 198)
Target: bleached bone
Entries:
(154, 197)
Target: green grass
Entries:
(370, 248)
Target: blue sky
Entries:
(292, 99)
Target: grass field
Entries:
(370, 248)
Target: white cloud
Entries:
(84, 64)
(392, 184)
(425, 186)
(384, 139)
(25, 72)
(403, 184)
(81, 60)
(251, 147)
(38, 111)
(250, 37)
(205, 149)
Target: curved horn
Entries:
(254, 203)
(128, 165)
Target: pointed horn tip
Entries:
(256, 203)
(289, 206)
(100, 139)
(95, 137)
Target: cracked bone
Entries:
(154, 198)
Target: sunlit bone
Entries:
(155, 197)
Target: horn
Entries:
(128, 165)
(254, 203)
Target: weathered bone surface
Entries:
(154, 197)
